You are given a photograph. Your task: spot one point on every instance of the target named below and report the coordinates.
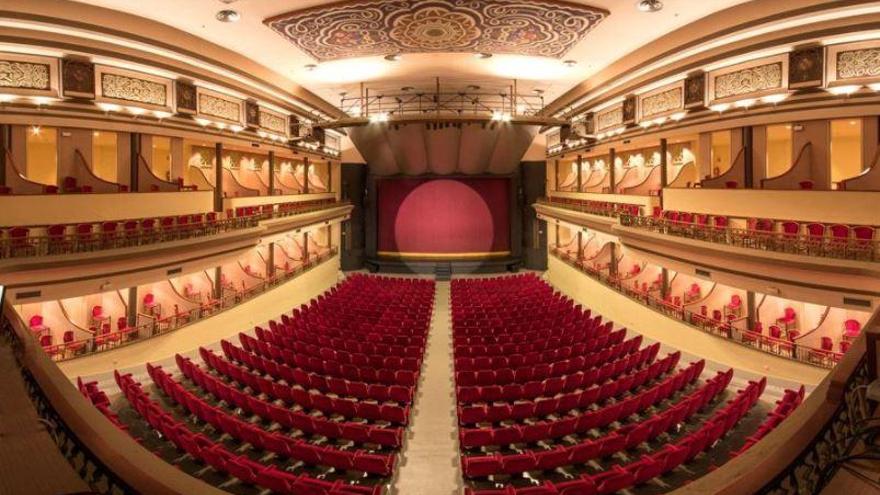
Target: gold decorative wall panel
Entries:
(749, 79)
(215, 105)
(24, 75)
(853, 63)
(123, 86)
(608, 119)
(272, 121)
(119, 87)
(662, 101)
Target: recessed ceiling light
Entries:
(483, 55)
(649, 5)
(569, 63)
(394, 57)
(310, 67)
(228, 15)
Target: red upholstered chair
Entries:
(840, 239)
(790, 233)
(57, 244)
(98, 315)
(788, 319)
(827, 344)
(150, 303)
(851, 329)
(731, 184)
(775, 332)
(84, 236)
(844, 346)
(46, 341)
(793, 335)
(5, 190)
(693, 293)
(806, 185)
(864, 243)
(108, 234)
(19, 244)
(148, 230)
(47, 189)
(734, 307)
(36, 325)
(68, 185)
(70, 345)
(815, 238)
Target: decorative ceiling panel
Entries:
(358, 28)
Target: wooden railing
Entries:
(803, 244)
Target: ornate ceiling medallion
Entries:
(358, 28)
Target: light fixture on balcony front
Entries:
(843, 90)
(236, 128)
(394, 57)
(645, 124)
(310, 67)
(744, 103)
(569, 63)
(775, 98)
(161, 115)
(483, 55)
(720, 107)
(5, 98)
(42, 100)
(380, 117)
(678, 116)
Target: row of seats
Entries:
(215, 455)
(620, 439)
(790, 401)
(583, 399)
(670, 457)
(543, 371)
(561, 427)
(560, 384)
(350, 428)
(311, 380)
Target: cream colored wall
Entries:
(40, 162)
(73, 208)
(846, 149)
(820, 206)
(160, 154)
(104, 155)
(779, 154)
(721, 153)
(266, 200)
(638, 318)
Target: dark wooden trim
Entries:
(748, 156)
(218, 177)
(5, 146)
(134, 157)
(132, 309)
(271, 172)
(664, 173)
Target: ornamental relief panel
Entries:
(215, 106)
(665, 101)
(609, 118)
(858, 64)
(749, 80)
(25, 75)
(120, 87)
(272, 121)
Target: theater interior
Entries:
(439, 247)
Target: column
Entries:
(664, 171)
(612, 266)
(218, 177)
(271, 173)
(132, 309)
(748, 158)
(134, 161)
(305, 175)
(5, 149)
(612, 173)
(270, 260)
(218, 283)
(579, 187)
(329, 176)
(306, 248)
(751, 310)
(556, 175)
(579, 256)
(664, 281)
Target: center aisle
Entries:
(430, 463)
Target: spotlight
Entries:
(744, 103)
(483, 55)
(569, 63)
(844, 90)
(378, 118)
(774, 99)
(720, 107)
(650, 5)
(109, 107)
(394, 57)
(310, 67)
(228, 16)
(677, 116)
(4, 98)
(35, 130)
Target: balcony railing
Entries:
(727, 329)
(603, 208)
(30, 246)
(781, 242)
(151, 326)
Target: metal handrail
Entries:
(804, 244)
(589, 206)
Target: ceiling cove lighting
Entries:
(872, 87)
(4, 98)
(394, 57)
(720, 107)
(677, 116)
(109, 107)
(42, 100)
(569, 63)
(501, 116)
(844, 90)
(645, 124)
(744, 103)
(161, 115)
(774, 99)
(483, 56)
